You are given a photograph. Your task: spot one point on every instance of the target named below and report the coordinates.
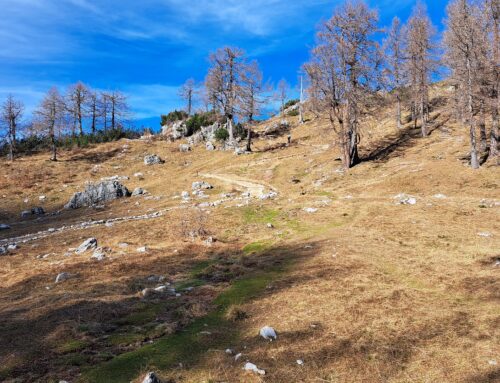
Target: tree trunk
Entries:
(483, 145)
(398, 112)
(494, 138)
(54, 147)
(230, 128)
(190, 101)
(472, 131)
(422, 115)
(249, 138)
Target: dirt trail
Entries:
(254, 188)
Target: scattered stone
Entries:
(12, 247)
(492, 362)
(201, 185)
(270, 195)
(152, 159)
(3, 226)
(38, 211)
(485, 234)
(138, 192)
(123, 245)
(142, 249)
(229, 351)
(90, 243)
(42, 198)
(97, 193)
(403, 199)
(139, 175)
(268, 333)
(151, 378)
(61, 277)
(185, 195)
(439, 196)
(156, 278)
(310, 210)
(237, 356)
(3, 250)
(270, 225)
(253, 368)
(209, 146)
(239, 151)
(209, 241)
(183, 148)
(99, 254)
(300, 362)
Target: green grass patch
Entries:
(257, 247)
(71, 346)
(188, 345)
(144, 313)
(253, 215)
(125, 338)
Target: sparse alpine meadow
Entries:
(343, 230)
(386, 272)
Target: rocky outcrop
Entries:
(175, 131)
(97, 193)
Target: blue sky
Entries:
(149, 48)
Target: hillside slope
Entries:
(359, 287)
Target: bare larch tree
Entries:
(492, 10)
(49, 117)
(343, 71)
(186, 92)
(118, 108)
(93, 110)
(11, 113)
(223, 81)
(420, 62)
(251, 98)
(395, 60)
(76, 99)
(282, 94)
(465, 42)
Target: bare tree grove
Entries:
(11, 112)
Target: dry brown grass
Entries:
(378, 292)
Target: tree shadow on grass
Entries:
(82, 313)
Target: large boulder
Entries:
(37, 211)
(3, 226)
(97, 193)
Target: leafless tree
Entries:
(282, 94)
(49, 117)
(76, 99)
(343, 72)
(93, 109)
(465, 40)
(251, 97)
(11, 113)
(224, 79)
(116, 106)
(186, 92)
(492, 11)
(394, 57)
(301, 101)
(420, 61)
(104, 108)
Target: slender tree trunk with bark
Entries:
(398, 111)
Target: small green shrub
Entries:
(198, 120)
(221, 134)
(176, 115)
(293, 113)
(292, 102)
